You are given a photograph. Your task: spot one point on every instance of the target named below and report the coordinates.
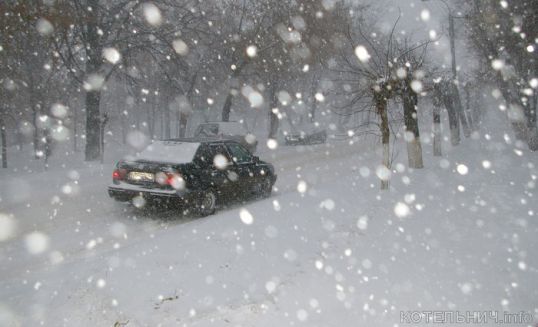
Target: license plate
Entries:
(138, 176)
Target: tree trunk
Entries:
(478, 110)
(93, 99)
(412, 137)
(273, 118)
(75, 129)
(381, 106)
(138, 113)
(93, 96)
(533, 129)
(47, 147)
(437, 131)
(183, 119)
(35, 118)
(151, 117)
(313, 101)
(470, 113)
(102, 124)
(453, 122)
(438, 101)
(166, 121)
(185, 113)
(533, 139)
(4, 142)
(227, 108)
(458, 107)
(20, 139)
(124, 121)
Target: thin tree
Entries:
(374, 66)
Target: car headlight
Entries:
(271, 168)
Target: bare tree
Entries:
(491, 27)
(410, 72)
(84, 30)
(118, 27)
(380, 69)
(28, 60)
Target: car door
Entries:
(243, 163)
(224, 173)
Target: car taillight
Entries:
(170, 179)
(118, 174)
(176, 181)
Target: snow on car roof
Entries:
(174, 152)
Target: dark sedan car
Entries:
(303, 138)
(195, 173)
(233, 131)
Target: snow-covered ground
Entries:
(328, 249)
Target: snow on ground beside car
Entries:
(327, 249)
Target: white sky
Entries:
(412, 23)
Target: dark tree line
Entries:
(158, 62)
(503, 34)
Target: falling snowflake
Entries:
(8, 227)
(112, 55)
(252, 51)
(401, 210)
(36, 242)
(152, 14)
(425, 15)
(246, 216)
(462, 169)
(180, 47)
(362, 53)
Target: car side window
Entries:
(219, 149)
(203, 156)
(239, 154)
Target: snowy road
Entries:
(341, 253)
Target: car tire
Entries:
(207, 203)
(264, 188)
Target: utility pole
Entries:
(452, 37)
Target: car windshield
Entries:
(169, 152)
(239, 154)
